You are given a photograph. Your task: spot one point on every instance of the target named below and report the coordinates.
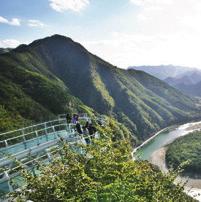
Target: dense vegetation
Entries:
(186, 151)
(28, 96)
(55, 75)
(104, 173)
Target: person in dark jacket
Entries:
(86, 134)
(92, 130)
(74, 119)
(68, 118)
(78, 128)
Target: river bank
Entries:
(192, 186)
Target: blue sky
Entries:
(90, 22)
(123, 32)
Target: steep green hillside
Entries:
(28, 96)
(55, 72)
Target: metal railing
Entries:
(8, 175)
(33, 141)
(53, 152)
(34, 131)
(32, 138)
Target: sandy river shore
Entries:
(192, 187)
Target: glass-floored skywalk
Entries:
(38, 142)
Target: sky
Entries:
(123, 32)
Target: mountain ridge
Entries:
(132, 97)
(185, 79)
(164, 71)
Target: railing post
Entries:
(36, 132)
(7, 177)
(46, 134)
(55, 134)
(53, 129)
(49, 156)
(33, 170)
(24, 139)
(6, 143)
(67, 128)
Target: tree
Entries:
(103, 171)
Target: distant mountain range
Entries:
(163, 71)
(186, 79)
(55, 75)
(4, 50)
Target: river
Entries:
(153, 150)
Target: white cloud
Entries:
(158, 32)
(9, 43)
(64, 5)
(17, 22)
(168, 16)
(35, 23)
(126, 50)
(13, 21)
(151, 3)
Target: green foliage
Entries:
(27, 96)
(100, 86)
(105, 172)
(115, 130)
(9, 121)
(186, 150)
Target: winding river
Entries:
(163, 138)
(153, 150)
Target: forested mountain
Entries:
(188, 78)
(55, 75)
(193, 90)
(189, 83)
(185, 79)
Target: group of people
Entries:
(72, 119)
(88, 130)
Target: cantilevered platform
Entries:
(34, 142)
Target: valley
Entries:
(155, 152)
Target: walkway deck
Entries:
(36, 142)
